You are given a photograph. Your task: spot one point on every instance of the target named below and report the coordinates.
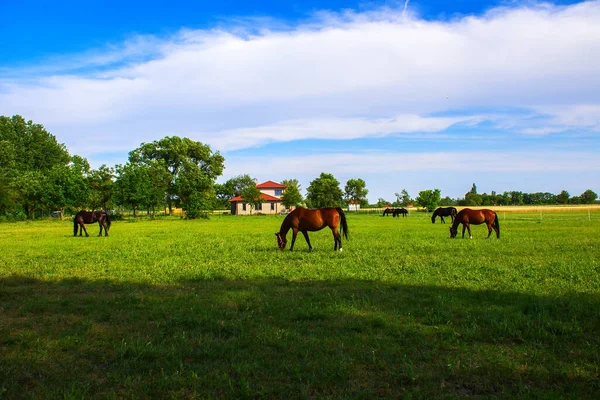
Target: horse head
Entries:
(453, 232)
(281, 242)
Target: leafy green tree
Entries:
(381, 203)
(68, 186)
(429, 199)
(28, 154)
(251, 195)
(588, 197)
(179, 155)
(403, 198)
(100, 182)
(324, 191)
(447, 201)
(29, 187)
(356, 190)
(563, 197)
(233, 187)
(291, 196)
(195, 189)
(133, 185)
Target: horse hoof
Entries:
(340, 249)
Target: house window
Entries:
(272, 206)
(244, 206)
(278, 192)
(259, 207)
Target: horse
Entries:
(467, 217)
(89, 217)
(398, 211)
(306, 220)
(389, 211)
(443, 212)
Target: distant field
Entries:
(211, 308)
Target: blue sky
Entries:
(408, 95)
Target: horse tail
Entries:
(433, 217)
(343, 223)
(75, 225)
(497, 224)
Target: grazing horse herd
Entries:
(310, 220)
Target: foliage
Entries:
(251, 195)
(291, 196)
(403, 198)
(324, 191)
(185, 160)
(428, 199)
(356, 190)
(233, 187)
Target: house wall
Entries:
(266, 208)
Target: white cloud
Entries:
(339, 76)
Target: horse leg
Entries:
(100, 225)
(294, 234)
(489, 230)
(307, 240)
(337, 239)
(83, 230)
(442, 218)
(464, 227)
(469, 229)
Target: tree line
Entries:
(39, 176)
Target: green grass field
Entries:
(212, 309)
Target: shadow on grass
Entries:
(275, 339)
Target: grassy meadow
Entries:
(172, 308)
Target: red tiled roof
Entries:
(265, 197)
(270, 185)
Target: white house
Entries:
(271, 194)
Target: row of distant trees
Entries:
(38, 175)
(431, 199)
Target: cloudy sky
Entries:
(404, 94)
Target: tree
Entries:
(563, 197)
(252, 195)
(356, 190)
(403, 198)
(233, 187)
(28, 154)
(324, 191)
(132, 186)
(100, 183)
(429, 199)
(179, 155)
(68, 186)
(381, 203)
(588, 197)
(291, 196)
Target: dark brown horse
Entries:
(444, 212)
(467, 216)
(89, 217)
(305, 220)
(398, 211)
(389, 211)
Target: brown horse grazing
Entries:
(443, 212)
(398, 211)
(89, 217)
(389, 211)
(466, 216)
(305, 220)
